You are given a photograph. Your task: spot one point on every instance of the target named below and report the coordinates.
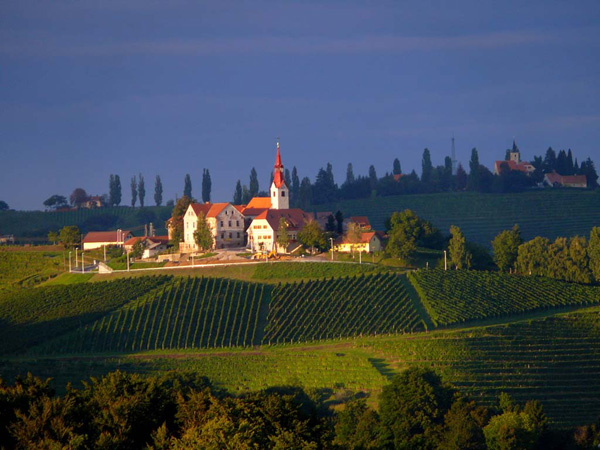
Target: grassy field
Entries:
(481, 217)
(31, 224)
(27, 268)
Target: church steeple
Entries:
(279, 190)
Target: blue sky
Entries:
(93, 88)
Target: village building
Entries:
(153, 245)
(98, 239)
(513, 163)
(361, 221)
(225, 221)
(369, 242)
(571, 181)
(263, 230)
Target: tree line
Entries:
(440, 178)
(181, 410)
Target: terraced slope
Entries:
(341, 307)
(555, 360)
(457, 296)
(187, 313)
(481, 217)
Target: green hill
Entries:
(481, 217)
(37, 224)
(348, 332)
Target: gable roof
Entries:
(259, 202)
(566, 180)
(208, 209)
(365, 237)
(152, 239)
(104, 236)
(363, 221)
(523, 166)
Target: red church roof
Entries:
(278, 178)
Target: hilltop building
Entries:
(572, 181)
(99, 239)
(513, 163)
(225, 221)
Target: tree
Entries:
(305, 197)
(549, 160)
(158, 191)
(312, 236)
(587, 168)
(330, 226)
(357, 426)
(114, 190)
(473, 180)
(460, 257)
(354, 235)
(283, 237)
(177, 214)
(295, 187)
(69, 236)
(463, 426)
(187, 186)
(78, 197)
(253, 186)
(339, 219)
(349, 174)
(4, 206)
(506, 248)
(594, 252)
(397, 169)
(56, 202)
(324, 190)
(372, 178)
(141, 190)
(138, 249)
(578, 270)
(426, 166)
(461, 178)
(134, 191)
(237, 195)
(53, 237)
(203, 235)
(532, 257)
(206, 186)
(412, 409)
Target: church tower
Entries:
(280, 193)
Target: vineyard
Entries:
(32, 316)
(549, 213)
(555, 360)
(340, 307)
(39, 223)
(305, 270)
(458, 296)
(28, 268)
(187, 313)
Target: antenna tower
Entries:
(453, 157)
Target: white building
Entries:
(98, 239)
(224, 220)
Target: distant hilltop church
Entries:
(254, 225)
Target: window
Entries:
(283, 193)
(222, 235)
(237, 223)
(238, 235)
(230, 236)
(221, 223)
(230, 223)
(273, 193)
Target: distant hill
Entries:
(37, 224)
(481, 217)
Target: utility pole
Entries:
(76, 260)
(105, 253)
(445, 260)
(127, 260)
(331, 239)
(82, 263)
(360, 256)
(69, 262)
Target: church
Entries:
(255, 224)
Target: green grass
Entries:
(481, 217)
(69, 278)
(458, 296)
(27, 268)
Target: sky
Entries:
(92, 88)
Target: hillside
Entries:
(37, 224)
(348, 332)
(481, 217)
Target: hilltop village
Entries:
(265, 225)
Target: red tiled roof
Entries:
(397, 176)
(104, 236)
(566, 180)
(208, 209)
(240, 208)
(521, 167)
(295, 217)
(153, 239)
(365, 237)
(260, 202)
(363, 221)
(278, 178)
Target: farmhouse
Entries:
(370, 241)
(98, 239)
(152, 245)
(573, 181)
(513, 163)
(225, 221)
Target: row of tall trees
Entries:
(206, 186)
(181, 410)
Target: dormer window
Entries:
(283, 193)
